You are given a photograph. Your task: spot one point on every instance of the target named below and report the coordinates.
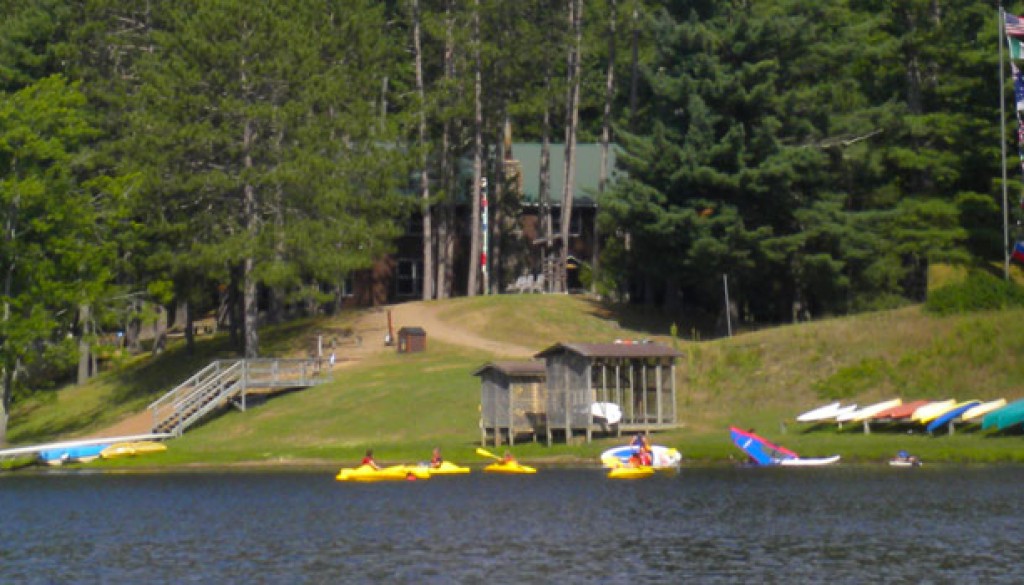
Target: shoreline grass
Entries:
(403, 405)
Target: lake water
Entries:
(847, 524)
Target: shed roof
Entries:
(612, 350)
(412, 331)
(531, 368)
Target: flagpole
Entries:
(1002, 142)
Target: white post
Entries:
(728, 310)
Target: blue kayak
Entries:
(951, 415)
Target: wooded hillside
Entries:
(249, 157)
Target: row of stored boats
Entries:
(933, 415)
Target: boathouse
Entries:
(512, 400)
(638, 377)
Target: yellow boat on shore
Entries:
(131, 449)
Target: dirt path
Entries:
(371, 329)
(424, 314)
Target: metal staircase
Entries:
(228, 382)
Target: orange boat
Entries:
(902, 411)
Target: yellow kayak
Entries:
(131, 449)
(630, 472)
(510, 467)
(446, 468)
(368, 473)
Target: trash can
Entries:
(412, 339)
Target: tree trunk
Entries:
(634, 74)
(572, 120)
(428, 228)
(445, 228)
(606, 132)
(478, 122)
(84, 323)
(190, 338)
(250, 308)
(5, 399)
(547, 231)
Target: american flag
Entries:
(1014, 26)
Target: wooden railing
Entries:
(226, 382)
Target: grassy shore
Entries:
(402, 405)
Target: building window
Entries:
(409, 278)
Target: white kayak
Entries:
(809, 461)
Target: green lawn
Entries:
(402, 405)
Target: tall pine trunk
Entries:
(84, 351)
(446, 228)
(428, 228)
(606, 131)
(250, 308)
(547, 231)
(478, 122)
(572, 120)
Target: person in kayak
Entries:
(508, 459)
(435, 459)
(368, 459)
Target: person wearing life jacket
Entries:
(368, 459)
(435, 459)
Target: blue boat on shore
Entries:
(76, 454)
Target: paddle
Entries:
(485, 453)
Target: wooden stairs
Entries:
(226, 383)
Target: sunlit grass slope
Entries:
(403, 404)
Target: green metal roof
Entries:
(588, 168)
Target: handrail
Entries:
(201, 392)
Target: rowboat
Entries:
(511, 467)
(630, 472)
(368, 473)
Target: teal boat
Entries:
(1005, 417)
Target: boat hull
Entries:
(366, 473)
(809, 461)
(661, 457)
(630, 472)
(513, 468)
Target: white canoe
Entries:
(983, 409)
(844, 412)
(809, 461)
(870, 411)
(827, 412)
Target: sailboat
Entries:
(762, 452)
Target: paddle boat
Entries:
(630, 472)
(661, 457)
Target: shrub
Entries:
(980, 291)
